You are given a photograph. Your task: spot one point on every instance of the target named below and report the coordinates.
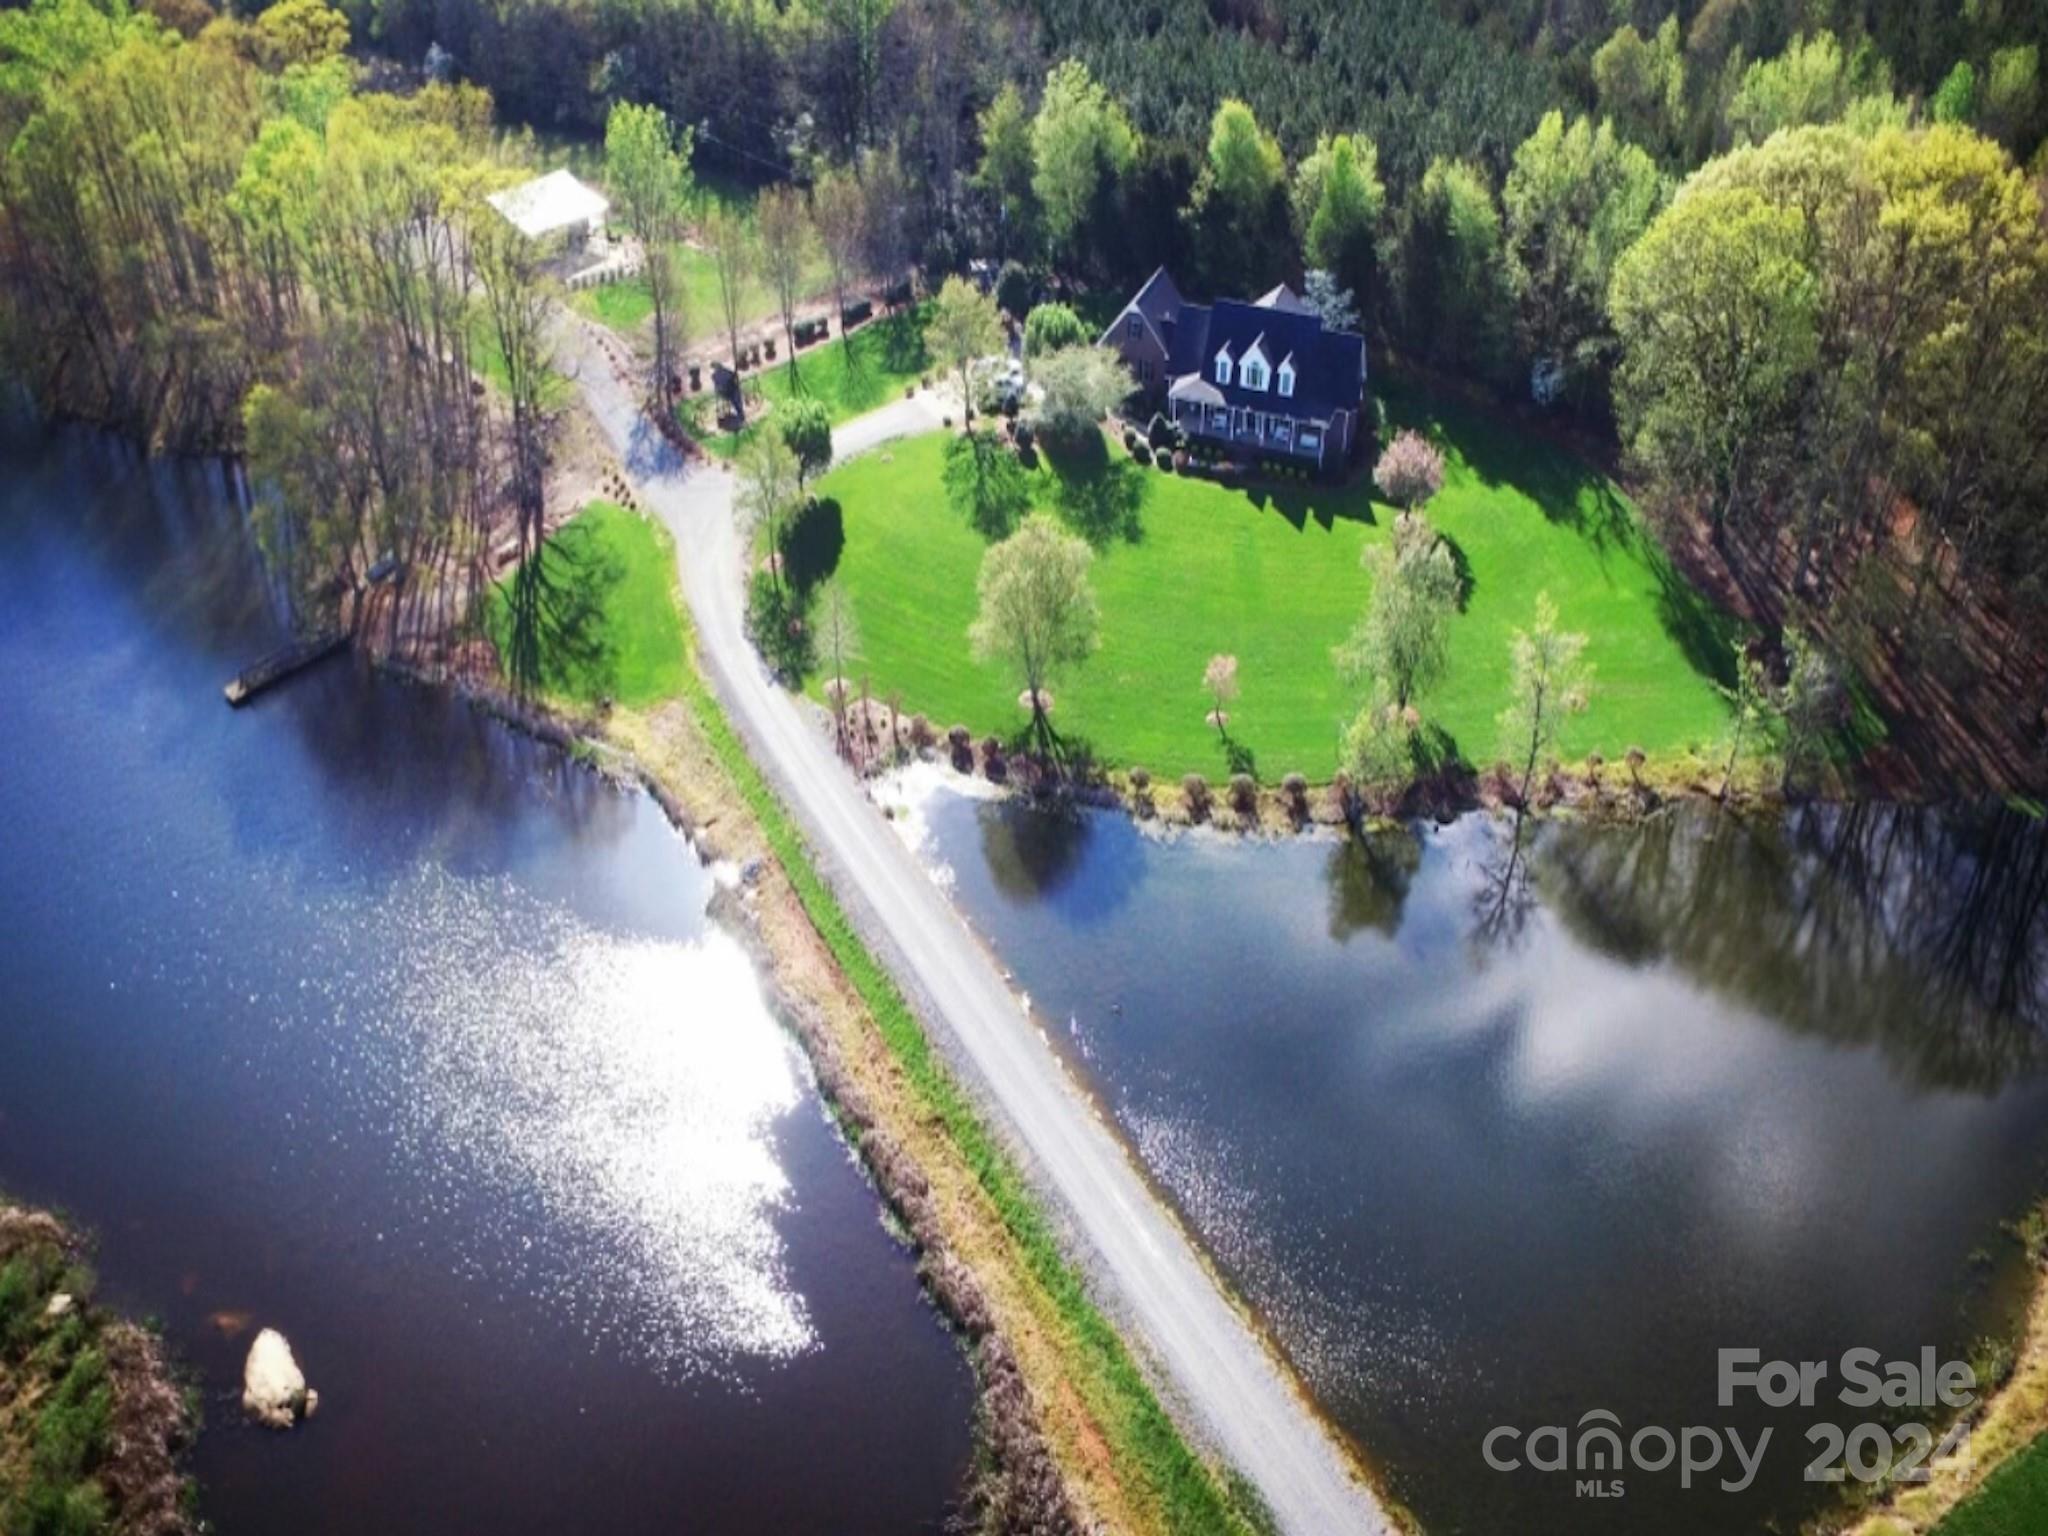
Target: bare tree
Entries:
(785, 245)
(731, 245)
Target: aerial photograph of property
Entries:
(1023, 768)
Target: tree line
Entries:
(220, 243)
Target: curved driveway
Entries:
(1246, 1403)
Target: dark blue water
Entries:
(354, 1015)
(1499, 1139)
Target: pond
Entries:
(356, 1015)
(1498, 1131)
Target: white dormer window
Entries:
(1253, 371)
(1223, 366)
(1287, 379)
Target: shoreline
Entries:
(2012, 1417)
(87, 1389)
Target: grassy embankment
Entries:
(89, 1423)
(1187, 567)
(1111, 1437)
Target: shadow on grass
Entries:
(812, 543)
(554, 635)
(1705, 632)
(1325, 505)
(898, 341)
(1100, 497)
(1462, 564)
(1564, 487)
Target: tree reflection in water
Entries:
(1921, 930)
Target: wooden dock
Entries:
(281, 664)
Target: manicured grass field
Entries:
(1186, 568)
(852, 375)
(607, 620)
(2012, 1502)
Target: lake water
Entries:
(356, 1015)
(1497, 1140)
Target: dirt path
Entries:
(1151, 1278)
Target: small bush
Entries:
(921, 733)
(1295, 788)
(1130, 438)
(854, 314)
(1141, 454)
(1195, 789)
(1023, 435)
(1244, 793)
(1140, 780)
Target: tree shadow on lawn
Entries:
(898, 341)
(1705, 632)
(1100, 497)
(812, 543)
(1565, 488)
(554, 632)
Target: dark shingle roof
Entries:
(1329, 366)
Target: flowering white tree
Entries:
(1409, 471)
(1219, 678)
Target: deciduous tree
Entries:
(1082, 143)
(1219, 681)
(770, 485)
(647, 167)
(1576, 198)
(807, 428)
(784, 233)
(1077, 386)
(1037, 611)
(1549, 682)
(963, 326)
(1409, 471)
(1402, 645)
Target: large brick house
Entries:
(1257, 377)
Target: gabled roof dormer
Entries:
(1254, 371)
(1284, 375)
(1223, 364)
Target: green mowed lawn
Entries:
(852, 375)
(1186, 568)
(602, 619)
(623, 306)
(2012, 1502)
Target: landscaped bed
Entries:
(1188, 567)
